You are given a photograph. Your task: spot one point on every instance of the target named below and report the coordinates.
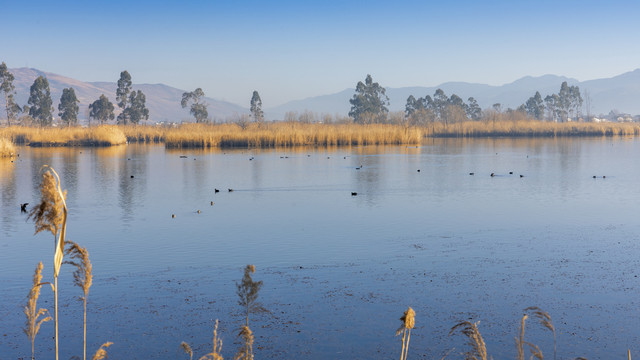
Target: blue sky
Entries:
(291, 50)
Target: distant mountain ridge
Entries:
(163, 101)
(621, 93)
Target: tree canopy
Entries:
(9, 90)
(137, 109)
(101, 110)
(122, 96)
(369, 103)
(198, 108)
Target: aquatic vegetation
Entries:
(32, 325)
(102, 351)
(470, 330)
(215, 354)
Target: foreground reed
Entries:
(408, 322)
(215, 354)
(83, 278)
(32, 325)
(51, 215)
(106, 135)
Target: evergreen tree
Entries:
(473, 110)
(101, 110)
(68, 107)
(534, 106)
(40, 103)
(369, 102)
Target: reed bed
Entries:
(532, 129)
(7, 149)
(290, 134)
(106, 135)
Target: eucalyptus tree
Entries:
(369, 103)
(40, 103)
(474, 112)
(68, 107)
(9, 90)
(198, 107)
(137, 109)
(122, 96)
(534, 106)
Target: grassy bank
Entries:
(7, 149)
(290, 134)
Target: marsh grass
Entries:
(215, 354)
(7, 149)
(545, 321)
(34, 320)
(105, 135)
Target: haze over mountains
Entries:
(621, 93)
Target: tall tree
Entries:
(137, 110)
(198, 108)
(256, 107)
(9, 90)
(551, 104)
(68, 107)
(40, 103)
(122, 96)
(564, 101)
(369, 102)
(534, 106)
(101, 110)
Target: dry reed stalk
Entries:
(101, 354)
(7, 149)
(470, 330)
(217, 347)
(520, 341)
(408, 322)
(187, 349)
(546, 322)
(51, 215)
(83, 278)
(32, 325)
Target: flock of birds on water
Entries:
(23, 206)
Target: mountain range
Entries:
(620, 93)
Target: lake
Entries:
(338, 269)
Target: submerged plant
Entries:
(32, 325)
(51, 215)
(470, 330)
(83, 278)
(408, 322)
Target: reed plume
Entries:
(478, 348)
(520, 341)
(546, 322)
(101, 354)
(187, 349)
(83, 278)
(51, 215)
(408, 322)
(32, 325)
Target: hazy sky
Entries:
(290, 50)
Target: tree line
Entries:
(369, 105)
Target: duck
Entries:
(23, 207)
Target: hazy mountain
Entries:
(163, 101)
(620, 93)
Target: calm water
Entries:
(338, 269)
